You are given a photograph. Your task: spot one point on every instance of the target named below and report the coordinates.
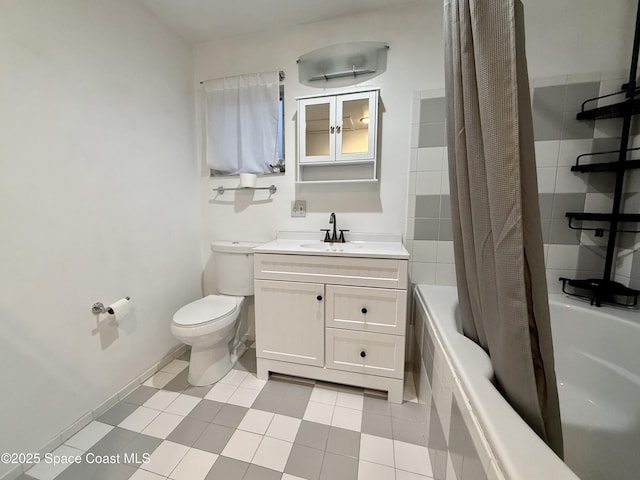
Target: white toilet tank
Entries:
(233, 263)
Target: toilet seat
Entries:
(211, 309)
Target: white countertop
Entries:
(362, 245)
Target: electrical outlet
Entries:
(299, 208)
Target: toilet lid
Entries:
(205, 310)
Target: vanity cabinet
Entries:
(338, 319)
(337, 137)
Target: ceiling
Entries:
(205, 20)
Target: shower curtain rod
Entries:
(280, 75)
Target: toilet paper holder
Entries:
(100, 307)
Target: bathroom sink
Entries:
(332, 247)
(356, 248)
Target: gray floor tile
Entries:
(376, 405)
(114, 471)
(179, 382)
(312, 434)
(114, 441)
(214, 438)
(142, 445)
(79, 471)
(337, 467)
(304, 462)
(409, 411)
(117, 413)
(256, 472)
(284, 398)
(197, 391)
(186, 356)
(24, 476)
(247, 363)
(378, 425)
(140, 395)
(188, 431)
(227, 469)
(205, 411)
(230, 415)
(410, 431)
(343, 442)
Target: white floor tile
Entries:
(347, 418)
(319, 413)
(286, 476)
(163, 425)
(161, 400)
(284, 428)
(234, 377)
(242, 446)
(412, 458)
(402, 475)
(324, 394)
(165, 458)
(252, 382)
(48, 471)
(350, 400)
(141, 474)
(139, 419)
(272, 453)
(256, 421)
(374, 471)
(195, 465)
(183, 405)
(221, 392)
(160, 379)
(175, 366)
(376, 449)
(243, 397)
(89, 436)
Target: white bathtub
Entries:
(597, 352)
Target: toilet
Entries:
(215, 326)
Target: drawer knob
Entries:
(364, 310)
(319, 298)
(363, 354)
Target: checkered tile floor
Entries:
(243, 428)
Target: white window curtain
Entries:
(242, 123)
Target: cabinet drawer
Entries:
(366, 272)
(364, 352)
(367, 309)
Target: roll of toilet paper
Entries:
(120, 308)
(248, 179)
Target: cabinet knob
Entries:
(364, 310)
(363, 354)
(333, 129)
(319, 297)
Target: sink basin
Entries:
(331, 247)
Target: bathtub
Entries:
(597, 355)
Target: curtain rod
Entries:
(280, 75)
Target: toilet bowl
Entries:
(215, 326)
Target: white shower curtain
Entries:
(242, 123)
(494, 206)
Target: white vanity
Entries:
(333, 312)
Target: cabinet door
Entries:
(356, 126)
(290, 321)
(316, 130)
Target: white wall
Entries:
(98, 199)
(415, 62)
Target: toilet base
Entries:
(208, 364)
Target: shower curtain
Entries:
(494, 200)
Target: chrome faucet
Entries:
(333, 237)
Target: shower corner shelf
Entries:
(606, 290)
(598, 291)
